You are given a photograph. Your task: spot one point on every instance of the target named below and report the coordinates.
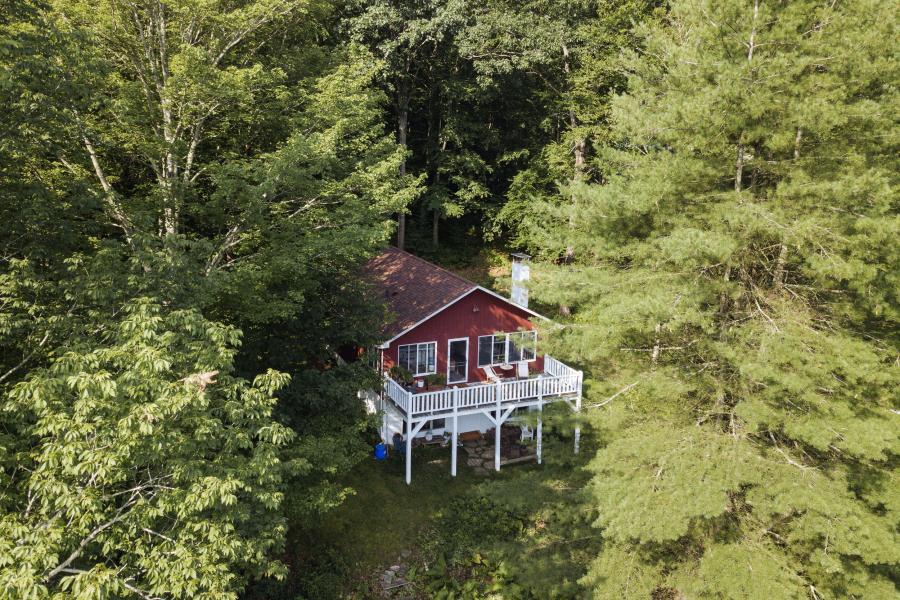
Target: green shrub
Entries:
(400, 374)
(436, 380)
(471, 523)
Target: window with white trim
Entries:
(522, 346)
(507, 348)
(418, 359)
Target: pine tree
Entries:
(735, 300)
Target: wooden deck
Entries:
(558, 381)
(496, 401)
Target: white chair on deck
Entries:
(491, 374)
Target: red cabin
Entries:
(458, 357)
(447, 325)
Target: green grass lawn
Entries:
(386, 516)
(342, 555)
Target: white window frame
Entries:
(506, 348)
(448, 360)
(532, 348)
(417, 344)
(478, 350)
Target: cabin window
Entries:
(506, 348)
(418, 359)
(434, 424)
(522, 346)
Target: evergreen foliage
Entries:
(735, 279)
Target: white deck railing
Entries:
(557, 380)
(397, 393)
(556, 368)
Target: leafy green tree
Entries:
(44, 215)
(211, 159)
(259, 224)
(409, 37)
(734, 297)
(167, 78)
(142, 466)
(571, 49)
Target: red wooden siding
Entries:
(477, 314)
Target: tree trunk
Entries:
(435, 153)
(654, 355)
(723, 297)
(169, 167)
(739, 168)
(434, 227)
(580, 142)
(577, 171)
(402, 131)
(751, 46)
(779, 272)
(435, 224)
(778, 275)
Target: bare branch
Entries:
(285, 9)
(120, 514)
(26, 359)
(232, 238)
(142, 593)
(614, 396)
(116, 212)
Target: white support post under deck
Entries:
(497, 424)
(540, 408)
(410, 435)
(577, 413)
(384, 419)
(453, 440)
(498, 419)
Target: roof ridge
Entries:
(435, 265)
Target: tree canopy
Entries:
(188, 190)
(736, 269)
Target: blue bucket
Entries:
(380, 452)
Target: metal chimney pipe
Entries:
(521, 273)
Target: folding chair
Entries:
(491, 374)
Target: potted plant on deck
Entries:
(435, 382)
(401, 376)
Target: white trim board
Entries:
(387, 344)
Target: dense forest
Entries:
(708, 189)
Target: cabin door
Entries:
(458, 360)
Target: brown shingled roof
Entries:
(412, 287)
